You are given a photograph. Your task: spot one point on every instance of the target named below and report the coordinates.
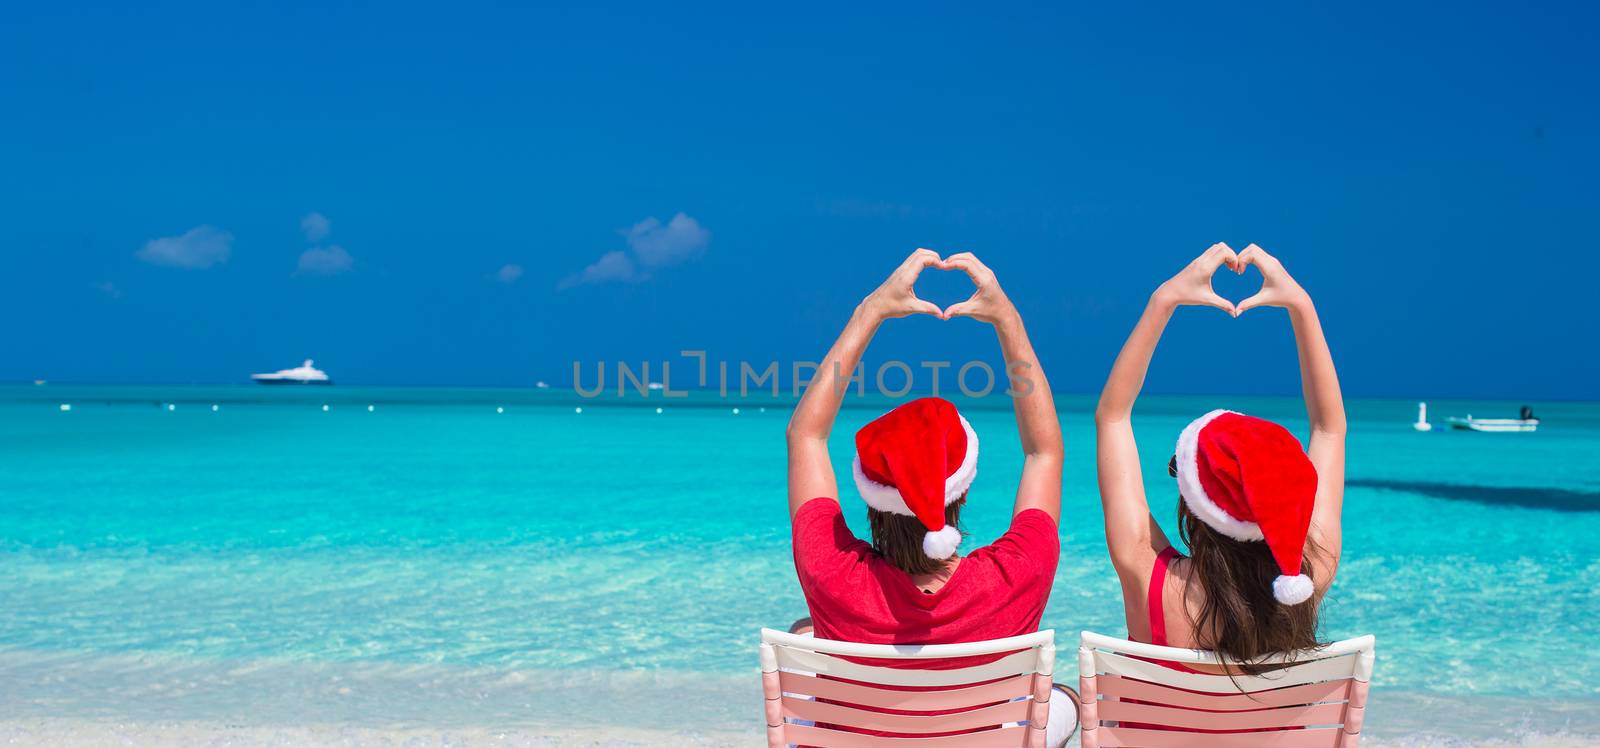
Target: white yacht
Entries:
(1525, 423)
(302, 374)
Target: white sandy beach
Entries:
(48, 732)
(56, 732)
(79, 699)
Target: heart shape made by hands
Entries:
(1233, 285)
(944, 286)
(1194, 284)
(985, 302)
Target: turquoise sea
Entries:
(434, 561)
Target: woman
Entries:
(1259, 515)
(913, 467)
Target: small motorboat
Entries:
(1527, 422)
(302, 374)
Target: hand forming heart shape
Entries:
(897, 297)
(1278, 288)
(988, 301)
(1192, 285)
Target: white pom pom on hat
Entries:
(1292, 590)
(941, 544)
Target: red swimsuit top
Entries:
(1158, 615)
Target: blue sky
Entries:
(482, 195)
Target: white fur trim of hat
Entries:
(1194, 495)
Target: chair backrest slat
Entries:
(1309, 693)
(1009, 737)
(884, 698)
(1313, 715)
(1118, 737)
(1315, 671)
(840, 714)
(816, 662)
(818, 694)
(1138, 694)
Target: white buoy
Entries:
(171, 407)
(499, 410)
(658, 411)
(1422, 418)
(371, 408)
(736, 411)
(324, 408)
(215, 407)
(577, 410)
(66, 407)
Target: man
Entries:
(914, 467)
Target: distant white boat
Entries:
(1422, 418)
(302, 374)
(653, 385)
(541, 385)
(1526, 423)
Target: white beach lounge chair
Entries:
(1001, 703)
(1130, 700)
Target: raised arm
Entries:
(1037, 422)
(1324, 405)
(1132, 535)
(810, 471)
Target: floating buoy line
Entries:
(328, 408)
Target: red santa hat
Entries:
(914, 461)
(1249, 479)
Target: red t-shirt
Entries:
(856, 595)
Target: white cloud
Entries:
(197, 249)
(508, 273)
(654, 245)
(330, 260)
(611, 267)
(316, 226)
(660, 245)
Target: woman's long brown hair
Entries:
(1239, 618)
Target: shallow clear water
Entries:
(434, 540)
